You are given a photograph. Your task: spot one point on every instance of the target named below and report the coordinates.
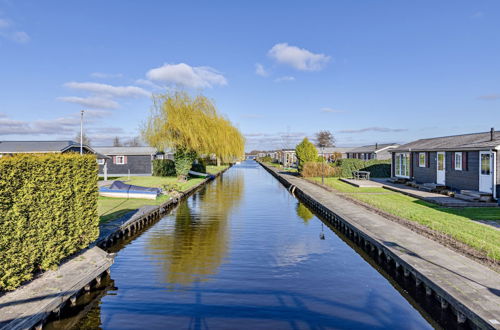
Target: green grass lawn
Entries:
(110, 208)
(455, 222)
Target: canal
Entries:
(242, 253)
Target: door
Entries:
(441, 168)
(485, 172)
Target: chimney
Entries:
(492, 134)
(376, 146)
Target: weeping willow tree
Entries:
(191, 126)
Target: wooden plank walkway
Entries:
(471, 288)
(30, 304)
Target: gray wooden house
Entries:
(466, 162)
(42, 147)
(374, 151)
(123, 161)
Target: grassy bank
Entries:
(456, 223)
(111, 208)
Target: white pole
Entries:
(81, 133)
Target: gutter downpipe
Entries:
(494, 152)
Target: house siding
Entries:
(465, 179)
(137, 164)
(497, 173)
(425, 174)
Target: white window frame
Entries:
(100, 161)
(403, 170)
(118, 162)
(420, 164)
(458, 164)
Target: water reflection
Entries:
(304, 213)
(193, 245)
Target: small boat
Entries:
(199, 174)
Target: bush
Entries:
(183, 162)
(48, 211)
(266, 159)
(377, 168)
(163, 167)
(199, 167)
(314, 169)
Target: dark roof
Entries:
(12, 147)
(126, 150)
(474, 141)
(373, 148)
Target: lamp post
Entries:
(81, 132)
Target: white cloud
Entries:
(3, 115)
(101, 75)
(373, 129)
(284, 78)
(330, 110)
(91, 102)
(490, 97)
(186, 75)
(8, 32)
(108, 90)
(260, 70)
(149, 84)
(299, 58)
(4, 23)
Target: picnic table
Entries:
(361, 175)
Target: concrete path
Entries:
(465, 281)
(30, 304)
(431, 197)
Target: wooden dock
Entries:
(28, 306)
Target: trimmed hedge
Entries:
(377, 168)
(48, 211)
(163, 167)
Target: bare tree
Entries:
(86, 139)
(325, 139)
(134, 142)
(117, 142)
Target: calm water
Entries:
(243, 253)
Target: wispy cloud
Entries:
(91, 102)
(101, 75)
(298, 58)
(477, 15)
(251, 116)
(260, 70)
(108, 90)
(186, 75)
(8, 31)
(330, 110)
(489, 97)
(284, 79)
(373, 129)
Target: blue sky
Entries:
(369, 71)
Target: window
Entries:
(402, 165)
(421, 159)
(485, 164)
(100, 161)
(440, 161)
(458, 161)
(119, 160)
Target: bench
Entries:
(361, 175)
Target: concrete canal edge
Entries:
(28, 306)
(112, 232)
(470, 290)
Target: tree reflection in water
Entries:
(304, 213)
(193, 244)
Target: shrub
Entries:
(183, 162)
(306, 152)
(377, 168)
(313, 169)
(163, 167)
(200, 166)
(48, 211)
(266, 159)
